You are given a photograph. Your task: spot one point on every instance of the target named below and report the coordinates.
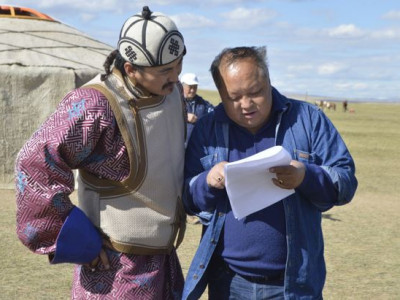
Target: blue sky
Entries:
(336, 48)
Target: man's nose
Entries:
(246, 102)
(175, 75)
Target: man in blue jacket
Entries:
(196, 106)
(277, 252)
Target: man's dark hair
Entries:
(228, 56)
(115, 58)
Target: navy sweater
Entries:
(255, 245)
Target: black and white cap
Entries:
(150, 39)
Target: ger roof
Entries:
(8, 11)
(34, 42)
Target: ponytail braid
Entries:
(108, 63)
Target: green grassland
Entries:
(362, 239)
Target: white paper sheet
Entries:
(249, 183)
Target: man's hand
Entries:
(191, 118)
(289, 177)
(102, 257)
(215, 177)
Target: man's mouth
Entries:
(249, 114)
(168, 86)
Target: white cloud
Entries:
(299, 68)
(351, 86)
(392, 15)
(189, 20)
(330, 68)
(247, 18)
(88, 5)
(79, 6)
(85, 17)
(389, 33)
(345, 31)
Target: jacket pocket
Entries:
(304, 156)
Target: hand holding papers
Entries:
(249, 183)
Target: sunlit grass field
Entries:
(362, 239)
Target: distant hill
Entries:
(313, 98)
(213, 97)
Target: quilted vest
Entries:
(142, 214)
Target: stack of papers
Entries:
(249, 183)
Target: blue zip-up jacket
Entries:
(199, 107)
(311, 138)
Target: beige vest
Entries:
(143, 213)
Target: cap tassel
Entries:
(146, 13)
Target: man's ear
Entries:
(129, 69)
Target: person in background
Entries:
(196, 106)
(125, 132)
(345, 104)
(276, 252)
